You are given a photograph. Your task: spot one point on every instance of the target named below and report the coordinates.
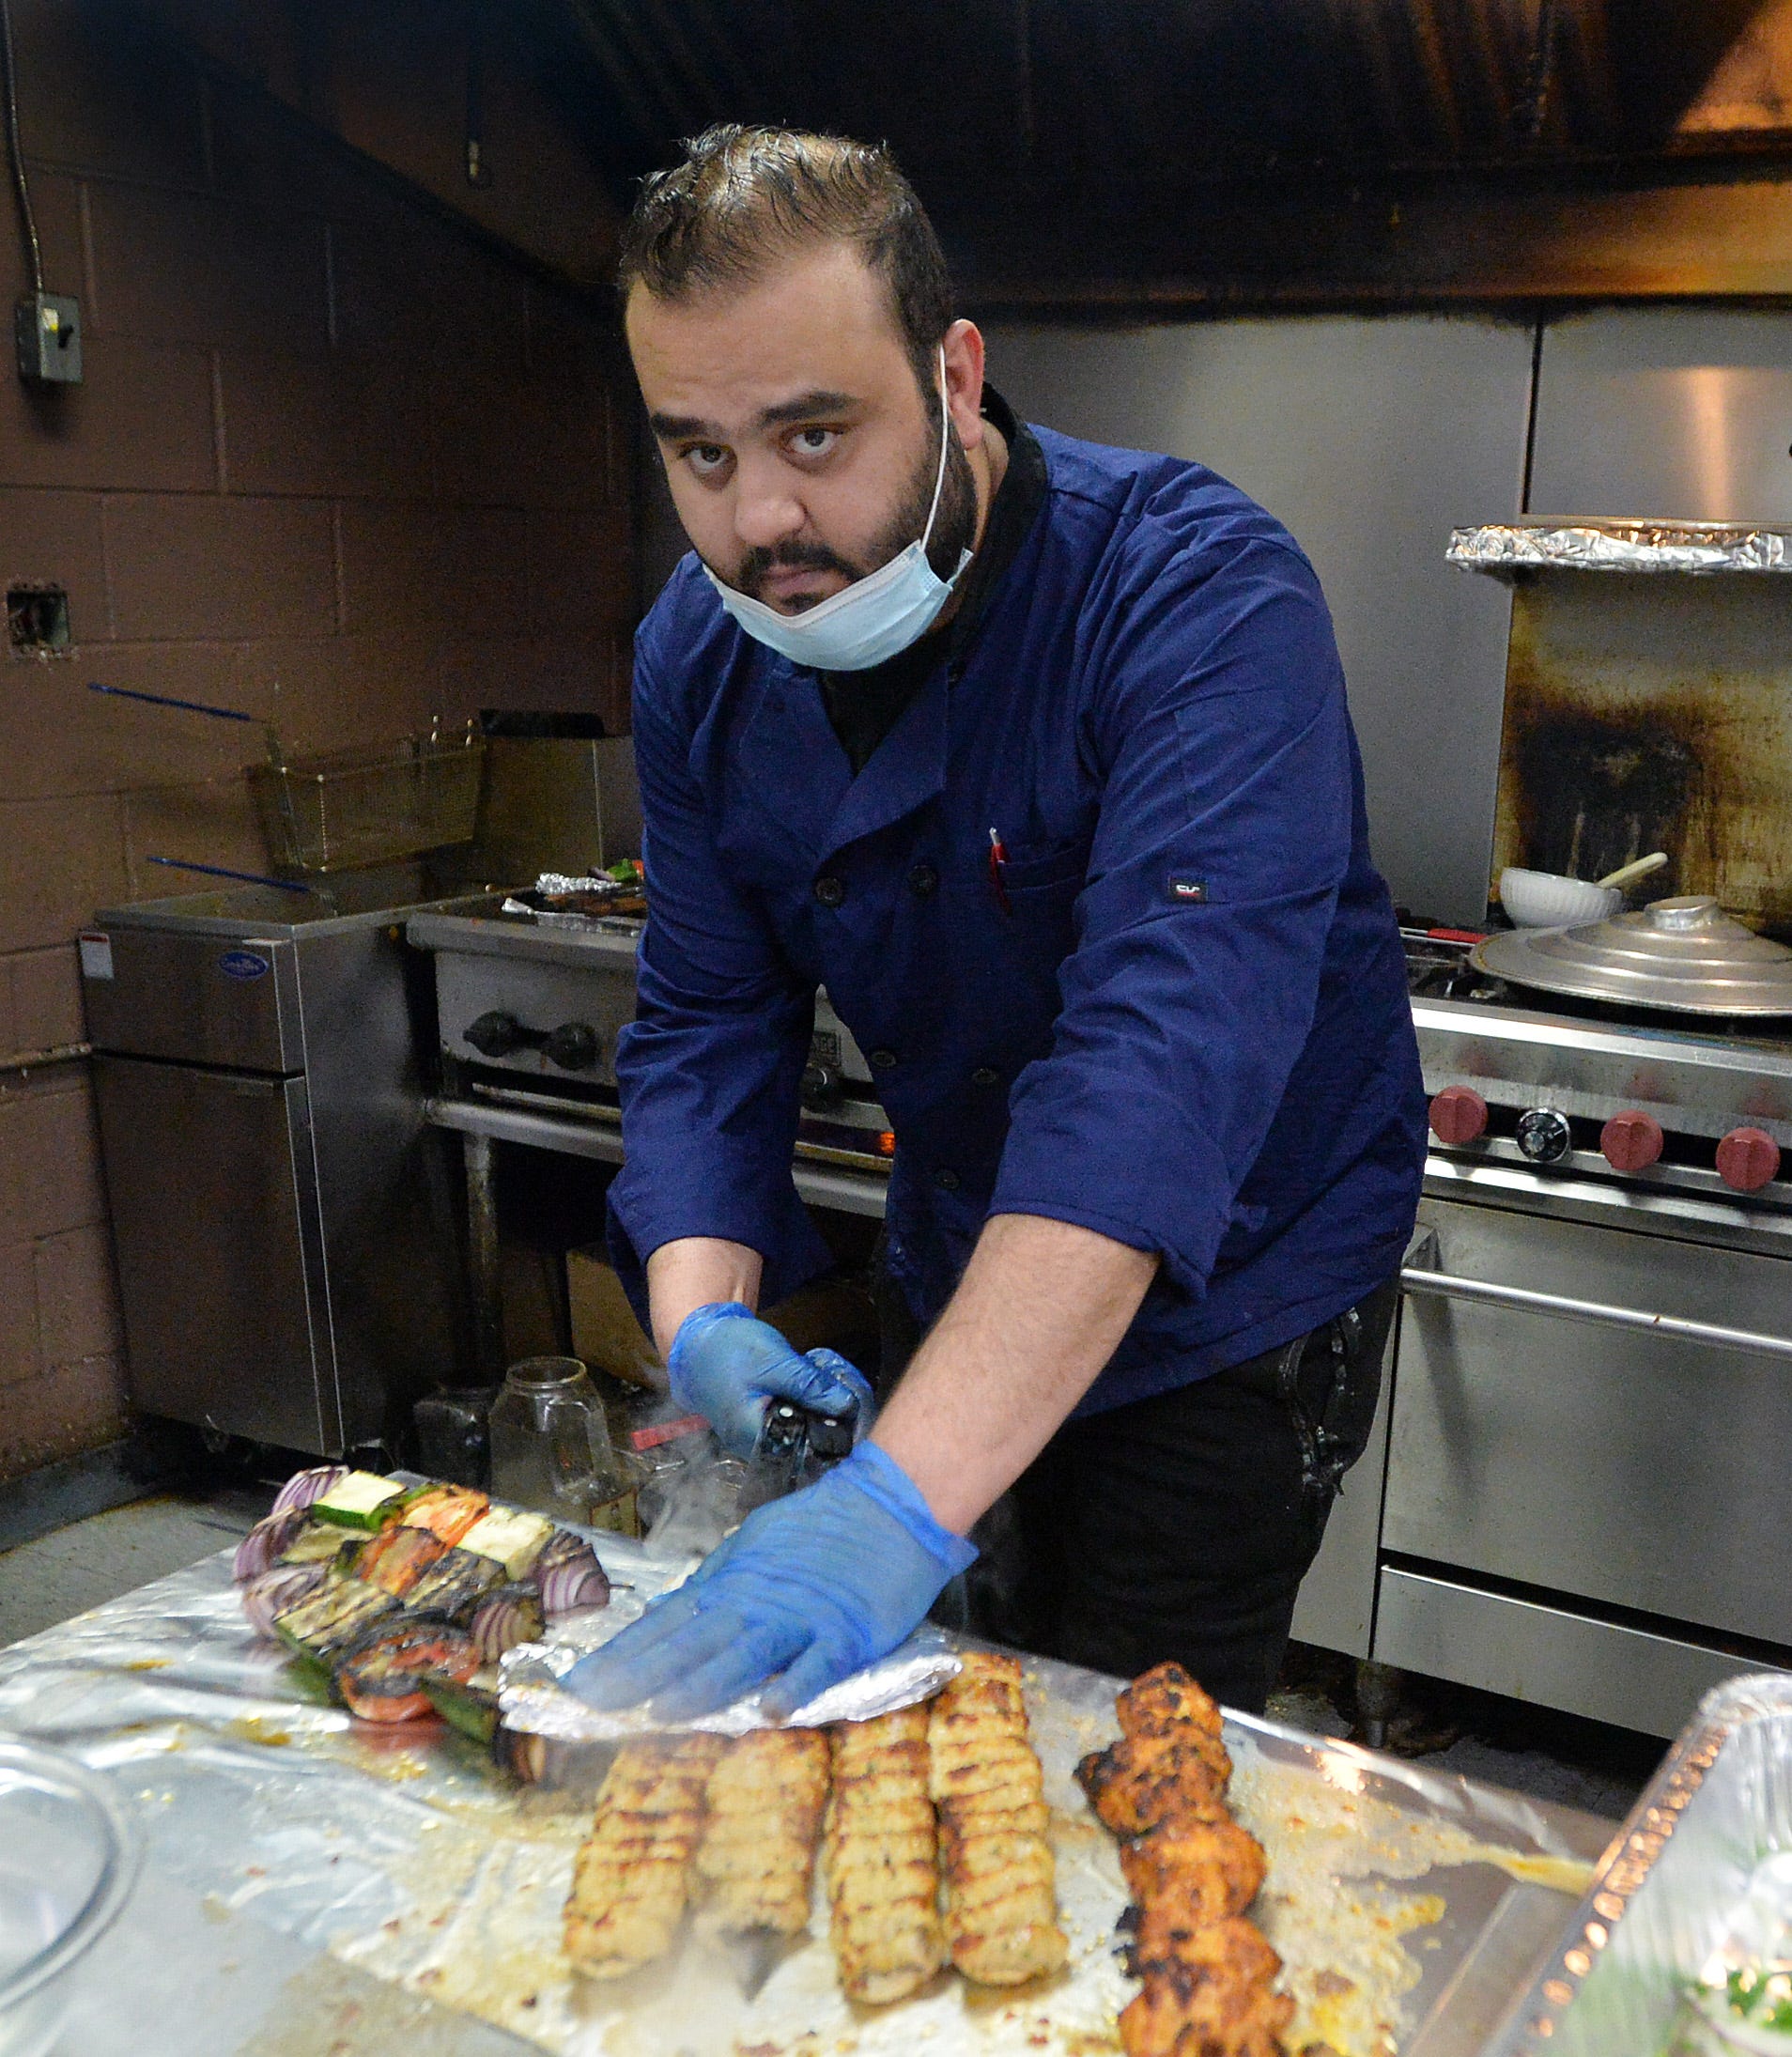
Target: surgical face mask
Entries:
(872, 618)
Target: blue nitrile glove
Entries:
(808, 1590)
(729, 1366)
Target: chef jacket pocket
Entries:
(1044, 872)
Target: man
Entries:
(1036, 753)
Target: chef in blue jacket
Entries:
(1036, 754)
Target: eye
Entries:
(708, 461)
(813, 440)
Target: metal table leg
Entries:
(483, 1261)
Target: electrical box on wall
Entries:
(47, 328)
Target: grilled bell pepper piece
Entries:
(398, 1557)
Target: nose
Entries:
(765, 509)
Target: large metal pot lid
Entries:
(1686, 954)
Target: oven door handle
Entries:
(1448, 1286)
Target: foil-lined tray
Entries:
(1408, 1906)
(1673, 1890)
(1700, 548)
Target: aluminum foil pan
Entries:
(535, 1703)
(1595, 544)
(1684, 955)
(1674, 1894)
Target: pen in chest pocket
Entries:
(998, 865)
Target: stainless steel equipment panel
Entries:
(1680, 411)
(201, 999)
(222, 1272)
(1546, 1655)
(1369, 438)
(540, 999)
(1625, 1467)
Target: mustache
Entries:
(792, 556)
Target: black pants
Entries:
(1179, 1526)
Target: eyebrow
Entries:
(821, 400)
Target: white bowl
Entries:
(67, 1860)
(1544, 900)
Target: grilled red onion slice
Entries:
(304, 1486)
(505, 1618)
(574, 1587)
(263, 1542)
(273, 1592)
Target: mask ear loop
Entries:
(945, 433)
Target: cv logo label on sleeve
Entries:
(1187, 891)
(244, 963)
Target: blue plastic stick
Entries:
(221, 871)
(167, 700)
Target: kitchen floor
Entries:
(1500, 1742)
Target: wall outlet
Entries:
(47, 328)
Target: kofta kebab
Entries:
(932, 1827)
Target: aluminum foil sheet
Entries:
(535, 1703)
(1679, 1893)
(1409, 1905)
(1700, 548)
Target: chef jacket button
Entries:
(946, 1178)
(881, 1060)
(923, 881)
(983, 1076)
(830, 891)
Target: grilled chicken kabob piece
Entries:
(1208, 1974)
(1001, 1913)
(766, 1797)
(880, 1850)
(632, 1877)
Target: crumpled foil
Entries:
(1680, 1893)
(562, 918)
(1700, 548)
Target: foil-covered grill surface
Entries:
(1407, 1905)
(1673, 1889)
(1700, 548)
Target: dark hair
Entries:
(745, 197)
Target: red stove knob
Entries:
(1747, 1158)
(1633, 1140)
(1458, 1115)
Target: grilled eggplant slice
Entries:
(328, 1622)
(453, 1586)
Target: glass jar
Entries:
(551, 1448)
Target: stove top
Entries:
(1572, 1088)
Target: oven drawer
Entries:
(1631, 1468)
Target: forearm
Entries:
(696, 1271)
(1041, 1308)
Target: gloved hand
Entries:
(808, 1590)
(729, 1366)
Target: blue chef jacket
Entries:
(1181, 1020)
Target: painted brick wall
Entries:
(333, 463)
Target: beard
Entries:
(954, 526)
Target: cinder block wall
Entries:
(333, 463)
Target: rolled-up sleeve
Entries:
(1223, 836)
(710, 1071)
